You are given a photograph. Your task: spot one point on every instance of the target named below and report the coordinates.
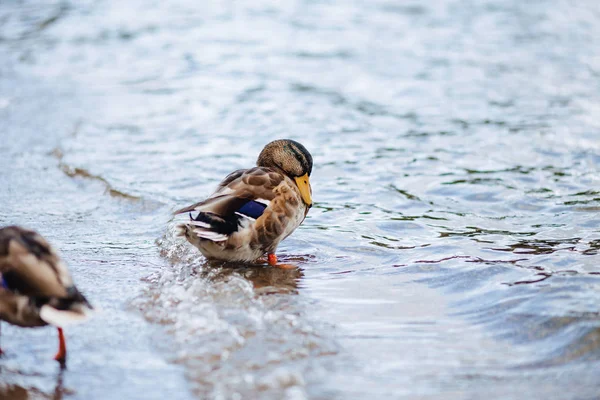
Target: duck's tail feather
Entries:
(66, 311)
(210, 226)
(61, 318)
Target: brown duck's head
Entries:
(291, 158)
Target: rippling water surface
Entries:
(453, 248)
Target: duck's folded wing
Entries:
(242, 196)
(240, 187)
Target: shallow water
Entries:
(452, 251)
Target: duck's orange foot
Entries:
(61, 358)
(61, 355)
(273, 263)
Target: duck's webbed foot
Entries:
(272, 260)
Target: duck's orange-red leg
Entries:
(61, 355)
(273, 262)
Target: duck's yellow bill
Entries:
(304, 185)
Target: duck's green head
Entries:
(292, 159)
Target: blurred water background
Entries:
(452, 252)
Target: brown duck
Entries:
(36, 288)
(254, 209)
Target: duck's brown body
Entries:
(253, 210)
(36, 288)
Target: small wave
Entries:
(362, 106)
(31, 24)
(237, 329)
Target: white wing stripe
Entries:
(245, 216)
(199, 224)
(215, 237)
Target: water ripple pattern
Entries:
(452, 251)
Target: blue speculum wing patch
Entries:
(252, 209)
(3, 283)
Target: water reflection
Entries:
(59, 390)
(265, 279)
(540, 246)
(14, 391)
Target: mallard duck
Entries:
(254, 209)
(36, 288)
